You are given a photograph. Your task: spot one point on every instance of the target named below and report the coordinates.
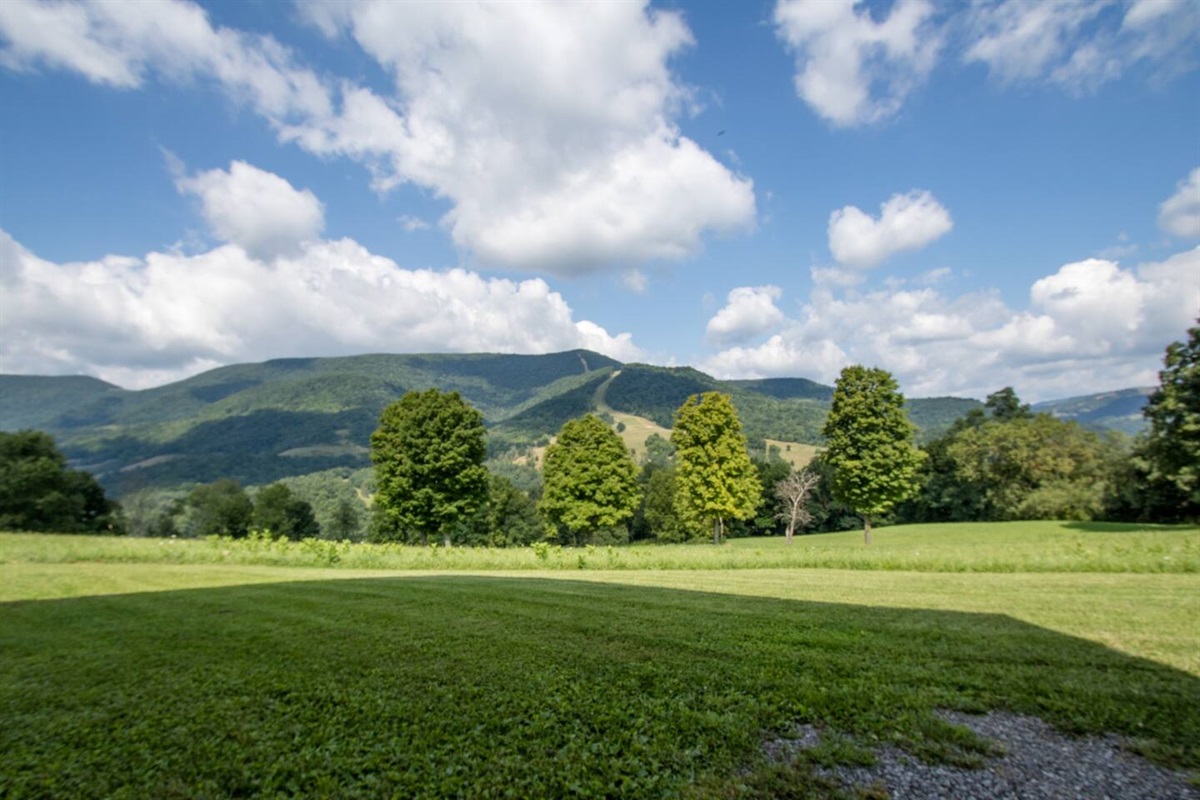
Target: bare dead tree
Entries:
(793, 492)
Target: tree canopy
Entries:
(220, 508)
(1172, 446)
(279, 511)
(39, 492)
(715, 479)
(870, 444)
(589, 479)
(428, 453)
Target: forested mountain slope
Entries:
(261, 422)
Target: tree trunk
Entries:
(446, 539)
(790, 530)
(717, 530)
(866, 530)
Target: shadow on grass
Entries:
(497, 687)
(1124, 527)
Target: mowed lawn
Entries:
(217, 680)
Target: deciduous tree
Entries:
(870, 444)
(1172, 446)
(793, 493)
(220, 508)
(39, 492)
(279, 511)
(428, 452)
(589, 479)
(716, 480)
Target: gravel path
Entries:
(1038, 763)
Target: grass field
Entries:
(165, 678)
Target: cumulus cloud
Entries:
(140, 321)
(1080, 45)
(257, 210)
(749, 311)
(1180, 213)
(906, 222)
(548, 126)
(851, 68)
(857, 67)
(1090, 324)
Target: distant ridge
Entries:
(287, 417)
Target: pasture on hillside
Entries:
(137, 668)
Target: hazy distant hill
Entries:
(1120, 410)
(289, 417)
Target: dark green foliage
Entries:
(39, 492)
(716, 481)
(786, 388)
(32, 401)
(428, 453)
(490, 687)
(656, 393)
(1171, 451)
(220, 508)
(828, 514)
(656, 517)
(933, 416)
(1005, 406)
(281, 513)
(589, 480)
(550, 414)
(659, 451)
(869, 444)
(512, 518)
(346, 524)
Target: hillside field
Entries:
(139, 668)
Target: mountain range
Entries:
(289, 417)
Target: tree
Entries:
(428, 453)
(1036, 467)
(1005, 406)
(715, 479)
(278, 510)
(793, 493)
(657, 517)
(39, 492)
(220, 508)
(346, 522)
(1171, 450)
(870, 444)
(512, 517)
(589, 480)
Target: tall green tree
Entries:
(220, 508)
(346, 522)
(39, 492)
(1171, 450)
(278, 510)
(428, 453)
(512, 517)
(589, 480)
(870, 444)
(715, 479)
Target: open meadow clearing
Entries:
(137, 668)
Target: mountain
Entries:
(262, 422)
(1120, 410)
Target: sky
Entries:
(969, 195)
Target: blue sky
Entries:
(969, 195)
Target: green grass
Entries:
(126, 671)
(965, 547)
(443, 686)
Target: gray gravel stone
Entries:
(1038, 763)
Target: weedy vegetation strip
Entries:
(961, 547)
(477, 686)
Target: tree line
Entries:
(432, 484)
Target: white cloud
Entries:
(749, 311)
(634, 280)
(548, 126)
(411, 223)
(857, 66)
(1081, 44)
(257, 210)
(1090, 326)
(168, 315)
(906, 222)
(850, 68)
(1180, 213)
